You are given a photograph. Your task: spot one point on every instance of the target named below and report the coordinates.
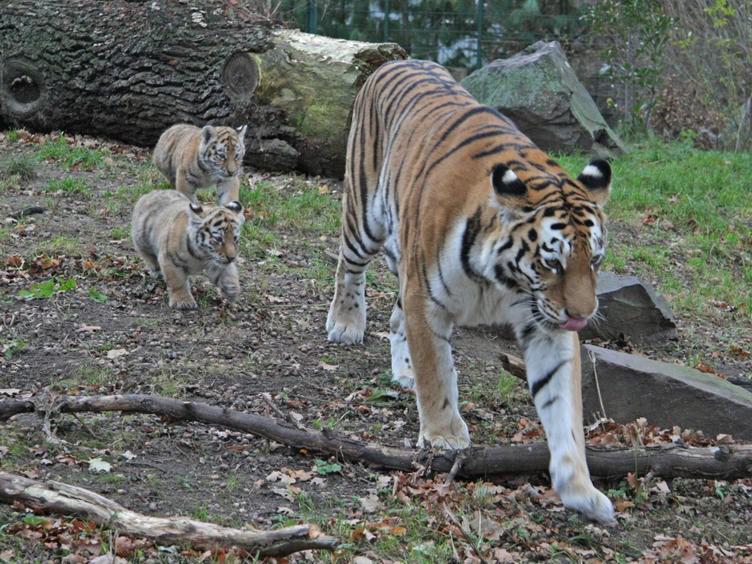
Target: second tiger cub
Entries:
(192, 158)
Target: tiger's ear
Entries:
(596, 178)
(234, 206)
(509, 189)
(241, 132)
(195, 212)
(207, 133)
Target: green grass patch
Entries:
(48, 288)
(692, 211)
(60, 245)
(24, 168)
(71, 157)
(12, 135)
(300, 209)
(69, 186)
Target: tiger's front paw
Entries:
(345, 327)
(451, 435)
(592, 503)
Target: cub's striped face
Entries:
(554, 249)
(222, 150)
(216, 231)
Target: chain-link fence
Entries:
(459, 33)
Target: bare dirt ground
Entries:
(110, 331)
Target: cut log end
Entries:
(22, 90)
(240, 76)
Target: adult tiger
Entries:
(481, 227)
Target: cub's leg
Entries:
(151, 263)
(226, 278)
(183, 186)
(178, 285)
(554, 378)
(346, 321)
(402, 366)
(428, 332)
(228, 190)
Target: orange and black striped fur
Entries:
(178, 238)
(192, 158)
(481, 227)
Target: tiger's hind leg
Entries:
(402, 365)
(346, 321)
(554, 378)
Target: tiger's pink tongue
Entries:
(574, 324)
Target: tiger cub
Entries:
(481, 227)
(192, 158)
(178, 238)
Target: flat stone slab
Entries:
(631, 308)
(665, 394)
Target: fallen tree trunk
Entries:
(128, 69)
(73, 500)
(669, 461)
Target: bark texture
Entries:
(668, 461)
(128, 69)
(66, 499)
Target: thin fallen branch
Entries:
(727, 462)
(66, 499)
(9, 408)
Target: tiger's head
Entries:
(556, 240)
(215, 231)
(221, 150)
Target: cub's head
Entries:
(556, 241)
(221, 150)
(215, 231)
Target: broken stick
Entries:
(73, 500)
(727, 462)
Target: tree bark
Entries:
(128, 69)
(668, 461)
(62, 498)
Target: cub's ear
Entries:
(509, 189)
(207, 133)
(234, 206)
(196, 209)
(241, 131)
(596, 177)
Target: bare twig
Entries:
(591, 355)
(456, 467)
(67, 499)
(725, 462)
(267, 397)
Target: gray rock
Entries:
(630, 308)
(540, 92)
(665, 394)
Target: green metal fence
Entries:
(460, 33)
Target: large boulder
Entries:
(626, 387)
(630, 308)
(539, 91)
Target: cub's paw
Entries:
(592, 504)
(183, 302)
(453, 435)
